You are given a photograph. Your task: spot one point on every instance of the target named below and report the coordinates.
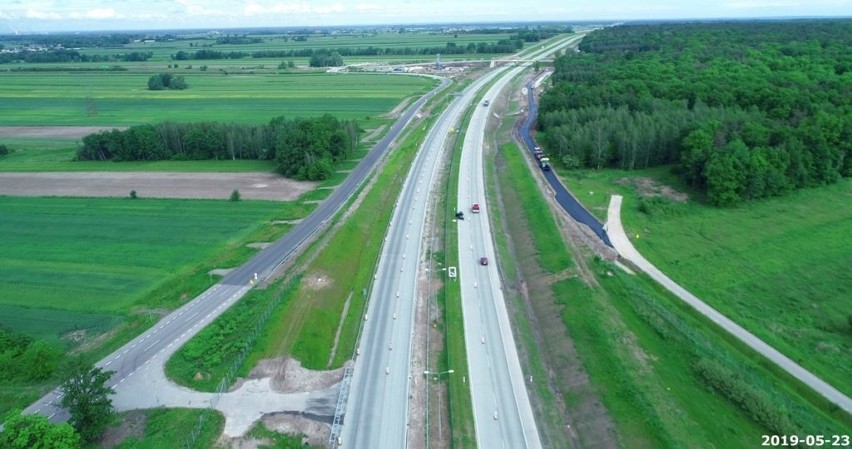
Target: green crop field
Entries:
(122, 98)
(72, 263)
(779, 267)
(37, 155)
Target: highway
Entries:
(376, 413)
(503, 415)
(501, 407)
(182, 324)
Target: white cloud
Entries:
(41, 15)
(257, 9)
(280, 8)
(365, 7)
(195, 9)
(763, 4)
(97, 14)
(330, 9)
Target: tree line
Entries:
(63, 55)
(744, 110)
(451, 48)
(302, 148)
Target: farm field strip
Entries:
(121, 98)
(50, 259)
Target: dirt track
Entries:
(255, 186)
(53, 132)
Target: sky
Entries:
(32, 16)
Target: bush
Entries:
(166, 81)
(133, 195)
(755, 403)
(235, 195)
(4, 150)
(658, 206)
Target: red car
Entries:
(483, 261)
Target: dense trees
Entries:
(64, 55)
(304, 148)
(746, 110)
(86, 396)
(36, 431)
(326, 59)
(166, 81)
(24, 358)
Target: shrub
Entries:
(235, 195)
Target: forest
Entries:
(302, 148)
(743, 110)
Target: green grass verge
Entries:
(169, 428)
(532, 362)
(778, 267)
(220, 349)
(644, 353)
(449, 299)
(274, 440)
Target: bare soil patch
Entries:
(132, 425)
(649, 187)
(288, 376)
(54, 132)
(253, 186)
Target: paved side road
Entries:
(625, 249)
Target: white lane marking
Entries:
(152, 345)
(107, 363)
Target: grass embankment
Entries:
(76, 268)
(122, 98)
(667, 377)
(778, 267)
(168, 428)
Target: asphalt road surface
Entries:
(562, 196)
(178, 327)
(501, 407)
(376, 413)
